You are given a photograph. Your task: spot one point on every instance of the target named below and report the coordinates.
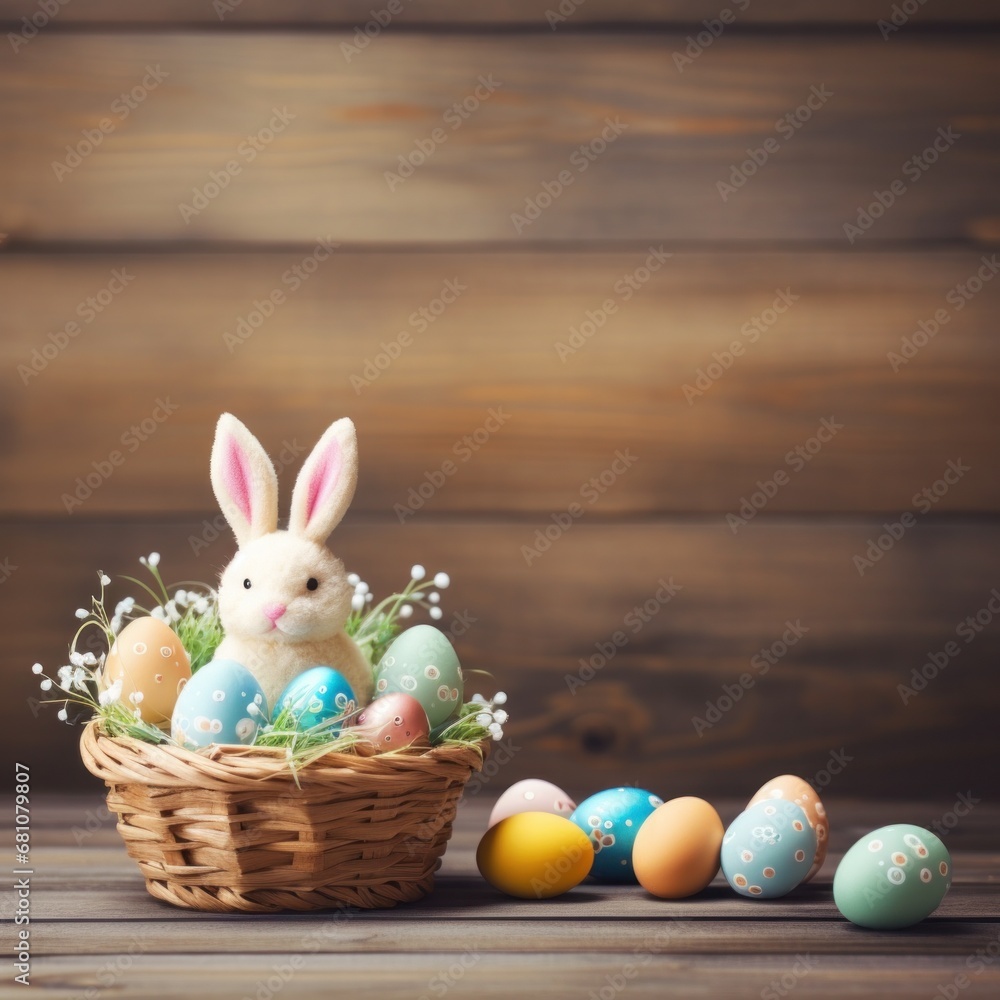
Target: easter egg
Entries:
(794, 789)
(317, 696)
(893, 877)
(676, 851)
(152, 665)
(393, 722)
(222, 703)
(532, 795)
(534, 855)
(768, 849)
(611, 819)
(421, 662)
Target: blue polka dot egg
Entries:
(611, 819)
(768, 849)
(317, 696)
(222, 703)
(422, 663)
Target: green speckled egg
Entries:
(422, 663)
(892, 877)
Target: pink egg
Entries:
(392, 722)
(532, 795)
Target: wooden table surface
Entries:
(95, 931)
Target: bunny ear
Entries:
(325, 486)
(244, 481)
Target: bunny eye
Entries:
(312, 583)
(247, 584)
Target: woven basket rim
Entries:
(123, 759)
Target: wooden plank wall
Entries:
(246, 208)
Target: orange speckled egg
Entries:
(794, 789)
(153, 666)
(676, 851)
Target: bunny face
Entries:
(284, 588)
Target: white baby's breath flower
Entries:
(45, 684)
(173, 615)
(111, 694)
(496, 731)
(158, 612)
(76, 659)
(201, 605)
(116, 623)
(81, 613)
(436, 613)
(89, 660)
(361, 587)
(441, 581)
(353, 579)
(434, 597)
(105, 579)
(36, 668)
(484, 718)
(478, 699)
(181, 598)
(368, 597)
(406, 611)
(417, 572)
(125, 606)
(62, 715)
(358, 602)
(501, 716)
(154, 559)
(500, 698)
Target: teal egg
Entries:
(768, 849)
(318, 695)
(892, 877)
(222, 703)
(422, 663)
(611, 819)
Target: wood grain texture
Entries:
(94, 925)
(522, 13)
(175, 332)
(829, 708)
(323, 174)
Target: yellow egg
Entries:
(676, 851)
(535, 855)
(153, 666)
(794, 789)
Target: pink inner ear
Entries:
(323, 479)
(238, 479)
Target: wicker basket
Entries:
(230, 831)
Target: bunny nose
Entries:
(274, 611)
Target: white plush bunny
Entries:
(284, 599)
